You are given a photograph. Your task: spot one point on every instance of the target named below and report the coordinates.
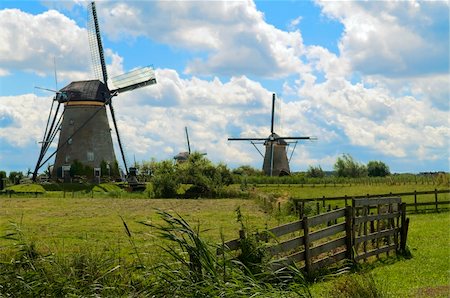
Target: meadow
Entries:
(92, 224)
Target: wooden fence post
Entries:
(404, 228)
(348, 233)
(415, 201)
(318, 208)
(436, 199)
(307, 242)
(302, 209)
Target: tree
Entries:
(377, 169)
(165, 179)
(14, 177)
(315, 172)
(247, 171)
(205, 177)
(77, 168)
(346, 166)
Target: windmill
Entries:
(276, 162)
(184, 156)
(83, 126)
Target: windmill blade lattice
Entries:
(96, 46)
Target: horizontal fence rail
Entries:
(299, 203)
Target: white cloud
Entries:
(401, 38)
(31, 43)
(231, 37)
(25, 117)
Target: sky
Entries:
(367, 78)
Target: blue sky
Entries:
(366, 78)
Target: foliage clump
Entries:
(377, 169)
(165, 179)
(315, 172)
(346, 166)
(356, 286)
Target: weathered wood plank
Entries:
(428, 203)
(326, 232)
(376, 201)
(294, 258)
(326, 247)
(329, 260)
(232, 244)
(287, 228)
(373, 252)
(324, 218)
(376, 235)
(366, 218)
(286, 246)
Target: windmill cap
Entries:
(275, 137)
(92, 90)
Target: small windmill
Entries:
(276, 162)
(84, 131)
(184, 156)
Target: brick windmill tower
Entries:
(84, 131)
(276, 162)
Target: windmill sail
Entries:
(134, 79)
(95, 45)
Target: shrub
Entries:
(315, 172)
(14, 177)
(346, 166)
(165, 180)
(377, 169)
(356, 286)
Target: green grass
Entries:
(70, 227)
(26, 188)
(426, 274)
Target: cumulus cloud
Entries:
(403, 38)
(23, 119)
(370, 117)
(232, 37)
(31, 43)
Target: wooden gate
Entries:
(370, 227)
(379, 226)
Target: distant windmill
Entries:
(85, 134)
(184, 156)
(276, 162)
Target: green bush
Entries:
(165, 180)
(346, 166)
(377, 169)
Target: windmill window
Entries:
(90, 156)
(67, 158)
(69, 141)
(71, 121)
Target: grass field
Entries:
(426, 274)
(65, 226)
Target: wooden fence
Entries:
(349, 233)
(413, 206)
